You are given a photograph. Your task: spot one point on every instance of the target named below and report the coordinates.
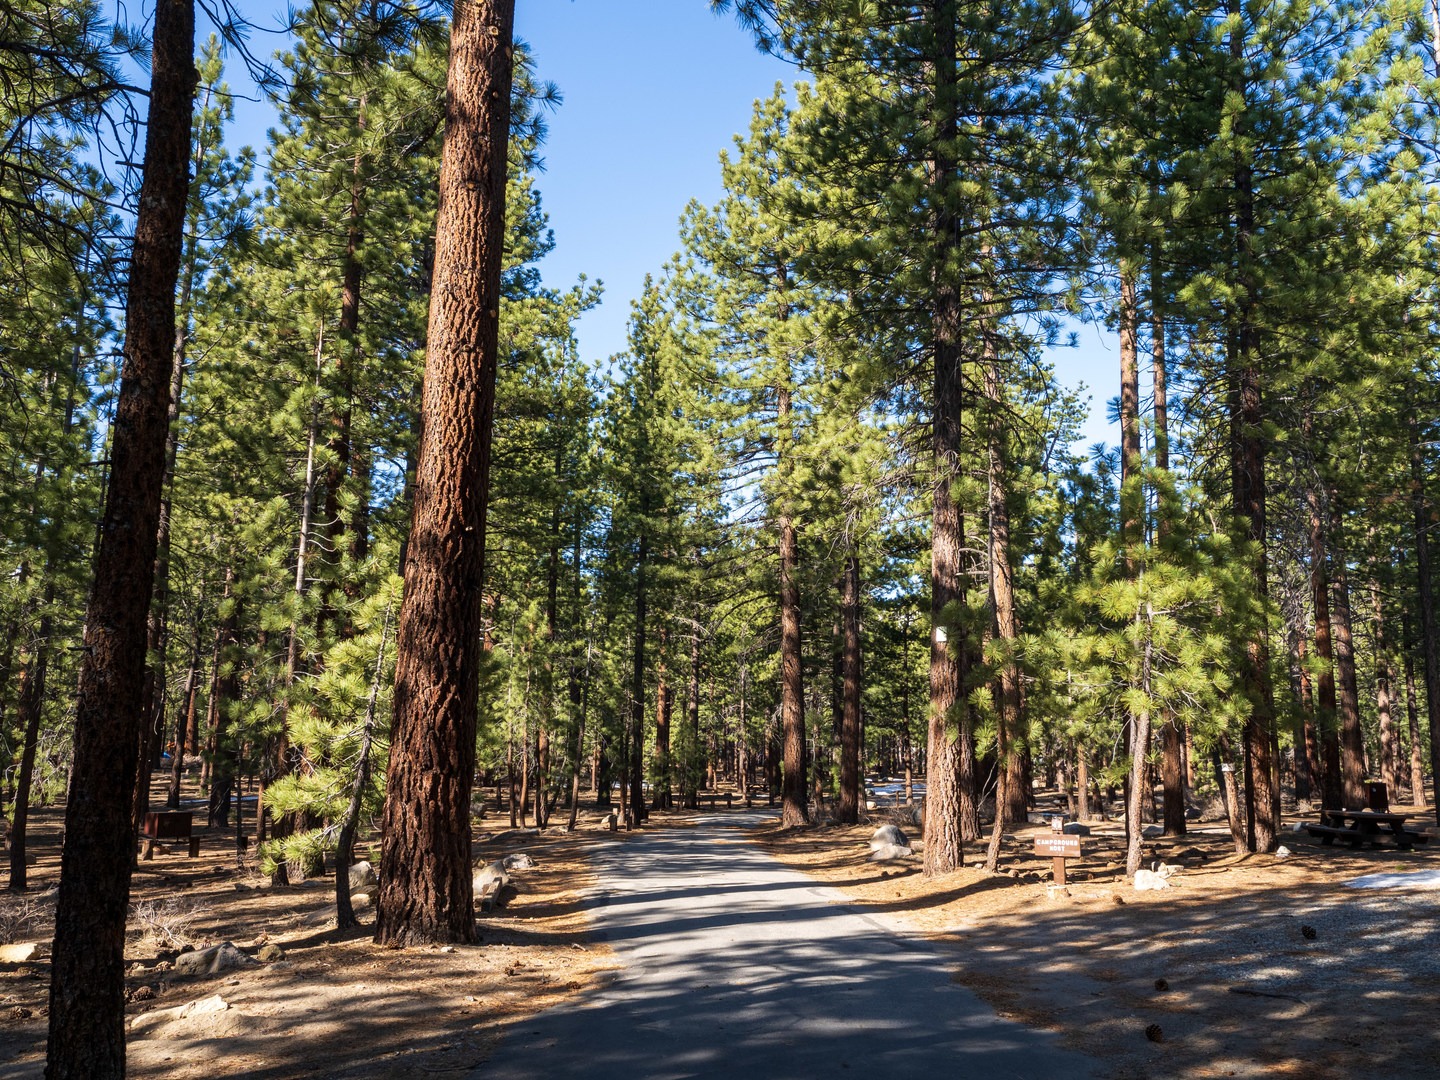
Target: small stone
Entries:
(447, 948)
(1282, 852)
(268, 954)
(20, 953)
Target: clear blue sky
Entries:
(653, 91)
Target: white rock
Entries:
(20, 953)
(1282, 852)
(203, 1007)
(209, 1006)
(1148, 880)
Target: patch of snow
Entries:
(1423, 879)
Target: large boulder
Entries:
(890, 853)
(491, 883)
(888, 836)
(362, 878)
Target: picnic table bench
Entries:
(169, 825)
(728, 796)
(1357, 827)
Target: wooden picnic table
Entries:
(1357, 827)
(169, 825)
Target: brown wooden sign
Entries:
(1058, 846)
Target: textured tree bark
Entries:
(1005, 626)
(664, 711)
(425, 892)
(185, 721)
(949, 769)
(1326, 705)
(1139, 748)
(1262, 792)
(224, 690)
(634, 804)
(691, 765)
(1385, 697)
(29, 700)
(87, 1008)
(794, 809)
(848, 812)
(1412, 716)
(1429, 632)
(1352, 739)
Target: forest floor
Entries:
(1246, 966)
(329, 1003)
(1218, 975)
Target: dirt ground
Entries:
(1245, 967)
(328, 1004)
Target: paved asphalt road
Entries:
(737, 967)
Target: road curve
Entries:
(736, 966)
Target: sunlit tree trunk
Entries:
(425, 892)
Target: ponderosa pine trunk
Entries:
(30, 700)
(949, 765)
(690, 765)
(1352, 739)
(425, 878)
(664, 711)
(1412, 713)
(1429, 632)
(1385, 695)
(634, 804)
(793, 796)
(1005, 623)
(185, 718)
(86, 1038)
(1247, 416)
(848, 812)
(224, 688)
(1326, 705)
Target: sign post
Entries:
(1059, 846)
